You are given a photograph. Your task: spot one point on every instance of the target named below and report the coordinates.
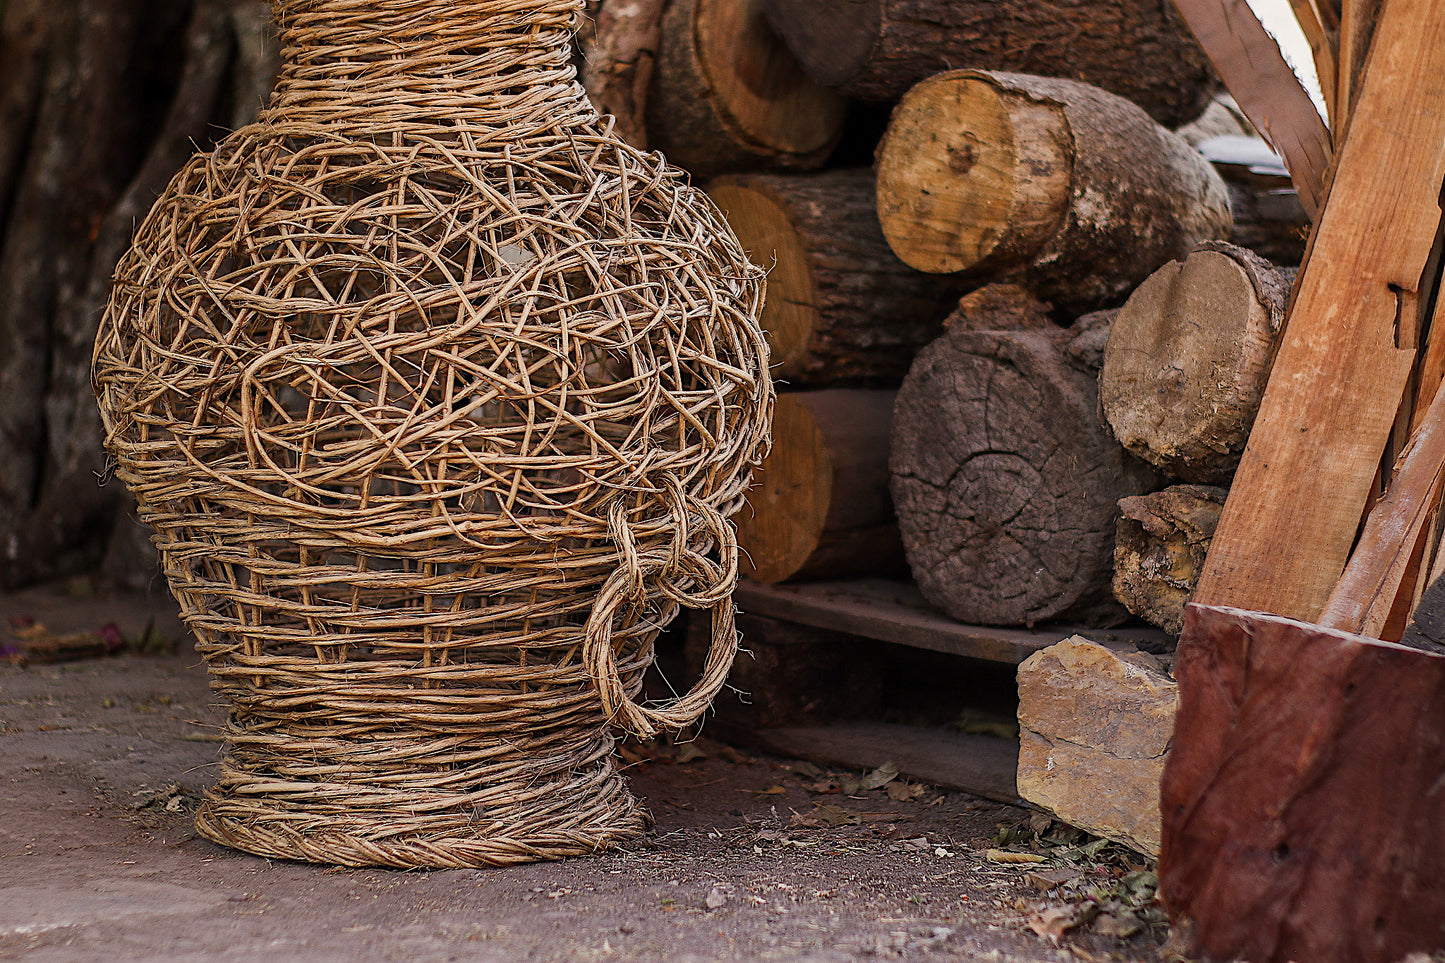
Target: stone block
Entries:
(1095, 726)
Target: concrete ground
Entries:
(752, 858)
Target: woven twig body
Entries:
(437, 396)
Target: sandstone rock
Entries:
(1095, 727)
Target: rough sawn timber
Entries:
(1339, 377)
(876, 49)
(1301, 800)
(1074, 190)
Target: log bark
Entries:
(819, 507)
(1005, 484)
(619, 54)
(1160, 545)
(1188, 359)
(727, 96)
(1301, 798)
(877, 49)
(841, 308)
(99, 103)
(1077, 192)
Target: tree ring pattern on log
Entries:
(1004, 482)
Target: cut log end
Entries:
(820, 507)
(841, 308)
(1005, 483)
(727, 95)
(970, 172)
(1187, 361)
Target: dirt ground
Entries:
(751, 858)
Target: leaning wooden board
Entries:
(1344, 365)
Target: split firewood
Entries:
(841, 308)
(1188, 359)
(1005, 484)
(727, 96)
(1160, 544)
(876, 49)
(1073, 189)
(819, 506)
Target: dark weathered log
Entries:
(841, 308)
(819, 505)
(1005, 484)
(877, 49)
(99, 103)
(727, 96)
(618, 56)
(792, 675)
(1000, 307)
(1188, 359)
(1159, 549)
(1301, 799)
(1074, 189)
(1268, 217)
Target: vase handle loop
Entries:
(684, 575)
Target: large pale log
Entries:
(1073, 189)
(1188, 359)
(1160, 545)
(1301, 800)
(1005, 484)
(727, 95)
(841, 308)
(819, 506)
(877, 49)
(1345, 361)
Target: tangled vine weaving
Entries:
(437, 396)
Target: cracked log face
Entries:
(1005, 484)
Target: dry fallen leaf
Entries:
(1004, 856)
(688, 752)
(880, 777)
(770, 791)
(1054, 922)
(834, 816)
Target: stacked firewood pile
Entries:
(954, 200)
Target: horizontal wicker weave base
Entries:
(261, 826)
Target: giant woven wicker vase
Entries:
(438, 397)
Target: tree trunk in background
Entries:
(100, 102)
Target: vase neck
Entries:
(392, 64)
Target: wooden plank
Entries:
(1339, 378)
(1266, 88)
(893, 611)
(983, 765)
